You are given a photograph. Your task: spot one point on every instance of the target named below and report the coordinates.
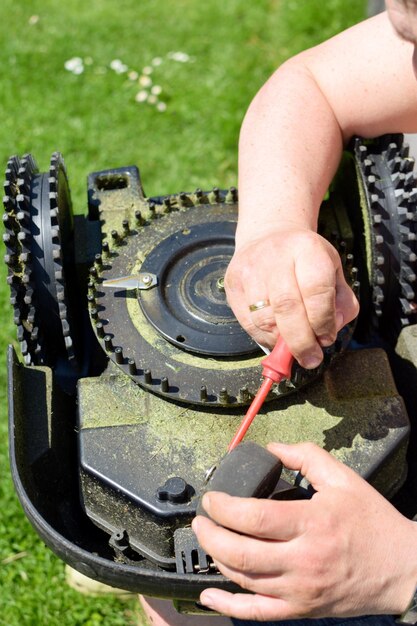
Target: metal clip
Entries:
(143, 280)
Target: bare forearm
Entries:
(360, 82)
(287, 157)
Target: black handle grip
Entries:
(248, 471)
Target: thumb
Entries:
(346, 301)
(319, 467)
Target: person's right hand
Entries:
(300, 274)
(346, 551)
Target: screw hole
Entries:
(180, 338)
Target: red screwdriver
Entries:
(276, 367)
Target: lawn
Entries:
(161, 84)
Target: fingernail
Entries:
(206, 502)
(194, 525)
(207, 600)
(326, 340)
(339, 320)
(311, 362)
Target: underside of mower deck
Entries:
(133, 373)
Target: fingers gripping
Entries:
(317, 284)
(300, 275)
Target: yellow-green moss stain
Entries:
(168, 349)
(336, 413)
(366, 224)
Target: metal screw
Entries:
(220, 283)
(147, 280)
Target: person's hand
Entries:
(299, 275)
(345, 552)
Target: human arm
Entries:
(360, 82)
(344, 552)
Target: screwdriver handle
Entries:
(278, 364)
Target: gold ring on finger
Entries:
(260, 304)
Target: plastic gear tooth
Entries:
(53, 198)
(371, 184)
(9, 204)
(391, 151)
(407, 290)
(28, 295)
(24, 347)
(395, 164)
(118, 353)
(12, 170)
(139, 221)
(410, 181)
(232, 195)
(379, 278)
(10, 260)
(398, 181)
(407, 165)
(408, 274)
(367, 165)
(224, 396)
(407, 307)
(362, 150)
(31, 316)
(407, 234)
(405, 150)
(152, 211)
(378, 295)
(412, 196)
(184, 200)
(166, 202)
(216, 196)
(23, 203)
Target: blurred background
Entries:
(162, 84)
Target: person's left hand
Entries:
(344, 552)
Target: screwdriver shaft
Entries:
(253, 410)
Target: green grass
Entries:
(94, 120)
